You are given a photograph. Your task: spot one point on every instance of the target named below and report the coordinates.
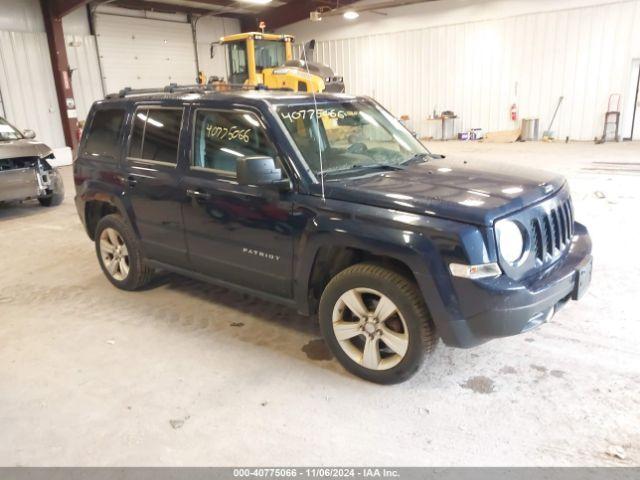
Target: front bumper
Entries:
(512, 307)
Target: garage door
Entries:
(144, 53)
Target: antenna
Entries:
(315, 106)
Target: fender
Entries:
(426, 245)
(107, 186)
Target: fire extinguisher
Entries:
(514, 112)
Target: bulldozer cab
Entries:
(249, 54)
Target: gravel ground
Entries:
(185, 373)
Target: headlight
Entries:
(510, 240)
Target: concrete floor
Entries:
(189, 374)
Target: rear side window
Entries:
(102, 138)
(223, 137)
(156, 134)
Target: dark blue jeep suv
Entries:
(328, 204)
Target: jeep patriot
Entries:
(329, 205)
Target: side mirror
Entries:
(212, 49)
(29, 134)
(260, 171)
(309, 48)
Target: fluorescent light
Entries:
(369, 119)
(251, 120)
(256, 2)
(470, 202)
(399, 196)
(512, 190)
(401, 142)
(350, 15)
(231, 152)
(149, 120)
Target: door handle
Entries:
(198, 195)
(132, 181)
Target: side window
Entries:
(238, 61)
(156, 134)
(223, 137)
(102, 137)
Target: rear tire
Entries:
(119, 254)
(376, 323)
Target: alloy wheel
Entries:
(114, 254)
(370, 328)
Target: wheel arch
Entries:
(324, 254)
(329, 260)
(99, 207)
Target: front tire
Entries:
(56, 197)
(119, 254)
(52, 200)
(376, 323)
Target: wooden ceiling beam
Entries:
(60, 8)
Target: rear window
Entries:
(156, 134)
(104, 131)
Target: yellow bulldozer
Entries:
(266, 60)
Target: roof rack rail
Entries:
(171, 88)
(196, 88)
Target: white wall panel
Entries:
(86, 81)
(479, 68)
(143, 53)
(21, 16)
(26, 84)
(210, 29)
(76, 22)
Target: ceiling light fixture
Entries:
(350, 15)
(256, 2)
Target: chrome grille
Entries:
(549, 228)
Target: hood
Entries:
(470, 191)
(23, 148)
(315, 68)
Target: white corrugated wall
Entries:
(27, 87)
(478, 69)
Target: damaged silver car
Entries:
(25, 172)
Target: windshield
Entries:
(269, 54)
(350, 135)
(8, 132)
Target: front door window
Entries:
(222, 137)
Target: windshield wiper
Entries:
(381, 166)
(418, 157)
(373, 166)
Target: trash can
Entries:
(448, 126)
(529, 130)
